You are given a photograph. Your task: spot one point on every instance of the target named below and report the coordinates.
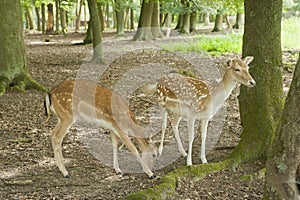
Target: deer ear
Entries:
(248, 60)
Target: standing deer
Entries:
(86, 101)
(191, 98)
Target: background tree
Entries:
(13, 67)
(96, 32)
(261, 106)
(120, 16)
(284, 155)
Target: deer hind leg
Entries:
(126, 140)
(163, 130)
(175, 124)
(57, 136)
(191, 125)
(204, 126)
(115, 153)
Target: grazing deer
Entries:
(191, 98)
(86, 101)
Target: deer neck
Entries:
(222, 91)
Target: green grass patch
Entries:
(213, 44)
(290, 33)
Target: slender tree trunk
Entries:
(185, 28)
(227, 21)
(38, 17)
(218, 22)
(206, 19)
(238, 21)
(131, 19)
(57, 14)
(29, 18)
(96, 32)
(50, 18)
(261, 106)
(43, 10)
(101, 17)
(78, 20)
(107, 15)
(88, 37)
(63, 19)
(144, 27)
(120, 17)
(284, 154)
(13, 65)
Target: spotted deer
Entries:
(89, 102)
(192, 99)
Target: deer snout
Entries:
(252, 83)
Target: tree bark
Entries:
(29, 17)
(144, 27)
(261, 106)
(96, 32)
(78, 20)
(57, 14)
(120, 17)
(43, 10)
(101, 17)
(238, 21)
(193, 21)
(13, 67)
(37, 12)
(63, 20)
(179, 22)
(155, 22)
(284, 154)
(218, 22)
(50, 18)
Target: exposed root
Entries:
(168, 183)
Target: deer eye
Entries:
(154, 155)
(237, 70)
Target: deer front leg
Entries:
(163, 130)
(57, 136)
(175, 124)
(204, 126)
(115, 153)
(191, 124)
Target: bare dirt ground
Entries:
(27, 169)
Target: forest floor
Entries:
(27, 169)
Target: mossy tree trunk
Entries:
(179, 22)
(185, 28)
(155, 22)
(193, 21)
(261, 106)
(43, 11)
(96, 32)
(57, 15)
(13, 68)
(101, 15)
(284, 155)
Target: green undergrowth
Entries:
(212, 44)
(290, 33)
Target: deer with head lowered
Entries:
(86, 101)
(191, 98)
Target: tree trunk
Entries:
(120, 15)
(13, 67)
(185, 28)
(144, 27)
(227, 21)
(206, 19)
(101, 17)
(88, 37)
(63, 20)
(107, 15)
(238, 21)
(43, 10)
(78, 20)
(50, 18)
(29, 18)
(218, 22)
(193, 21)
(96, 32)
(131, 19)
(155, 22)
(261, 106)
(38, 18)
(57, 14)
(284, 155)
(179, 22)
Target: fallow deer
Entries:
(86, 101)
(191, 98)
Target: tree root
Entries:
(168, 183)
(249, 177)
(20, 84)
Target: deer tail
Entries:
(47, 104)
